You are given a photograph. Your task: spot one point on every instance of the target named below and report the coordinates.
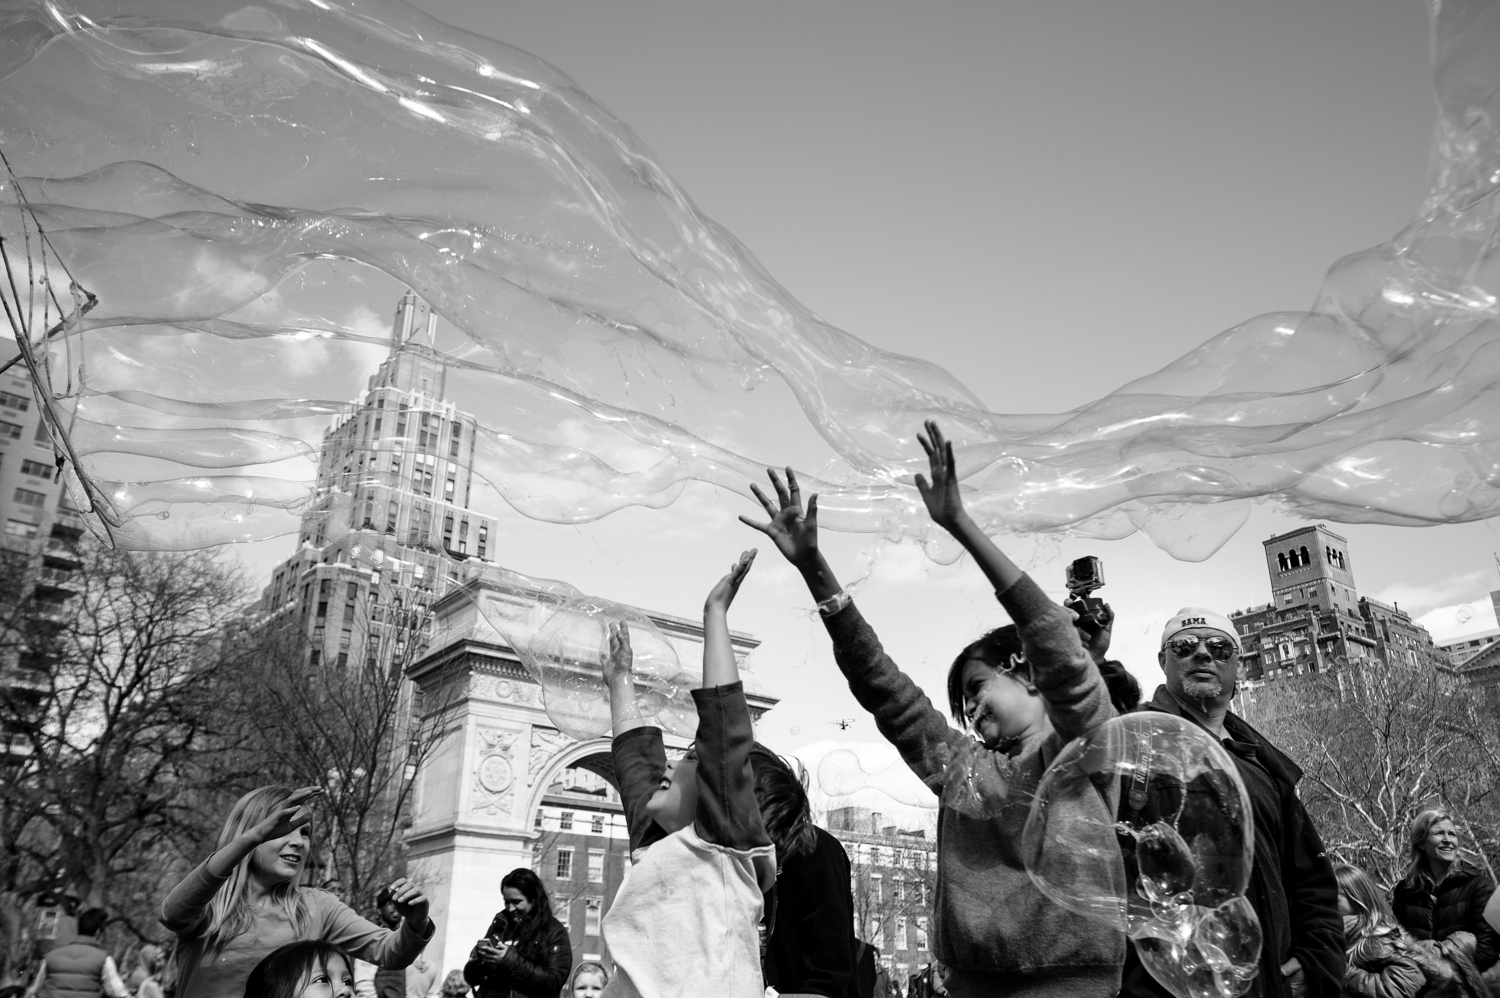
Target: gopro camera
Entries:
(1084, 576)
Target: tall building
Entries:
(38, 549)
(396, 477)
(1316, 620)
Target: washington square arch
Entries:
(501, 787)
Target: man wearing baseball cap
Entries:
(1292, 888)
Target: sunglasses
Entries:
(1222, 649)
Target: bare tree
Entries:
(1379, 742)
(113, 744)
(351, 728)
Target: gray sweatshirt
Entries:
(994, 930)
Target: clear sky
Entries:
(1048, 199)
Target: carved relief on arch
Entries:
(545, 743)
(494, 782)
(499, 689)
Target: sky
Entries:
(1047, 199)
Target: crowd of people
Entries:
(734, 890)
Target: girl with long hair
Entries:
(1380, 962)
(1442, 896)
(244, 901)
(526, 950)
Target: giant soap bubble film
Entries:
(1145, 825)
(194, 189)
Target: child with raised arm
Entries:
(244, 901)
(684, 922)
(1025, 690)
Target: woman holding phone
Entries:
(526, 952)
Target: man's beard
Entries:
(1202, 689)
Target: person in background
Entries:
(244, 901)
(454, 986)
(1443, 896)
(864, 971)
(81, 968)
(526, 950)
(1292, 887)
(810, 912)
(147, 955)
(588, 981)
(415, 981)
(155, 965)
(882, 976)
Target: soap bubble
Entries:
(1465, 614)
(1146, 825)
(796, 729)
(841, 773)
(231, 191)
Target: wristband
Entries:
(834, 603)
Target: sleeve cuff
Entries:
(712, 693)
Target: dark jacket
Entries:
(1455, 905)
(1292, 887)
(811, 948)
(536, 967)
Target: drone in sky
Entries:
(843, 723)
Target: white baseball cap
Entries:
(1197, 616)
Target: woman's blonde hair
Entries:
(1416, 837)
(229, 912)
(1372, 926)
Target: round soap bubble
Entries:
(1465, 614)
(223, 184)
(566, 655)
(841, 773)
(1146, 825)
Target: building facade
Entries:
(394, 521)
(893, 874)
(1316, 620)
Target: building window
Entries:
(876, 885)
(484, 535)
(596, 824)
(922, 933)
(19, 528)
(1281, 562)
(10, 400)
(900, 932)
(538, 824)
(566, 821)
(591, 909)
(565, 863)
(453, 444)
(9, 431)
(38, 469)
(26, 497)
(596, 866)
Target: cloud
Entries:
(1461, 620)
(1449, 592)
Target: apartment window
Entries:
(538, 824)
(901, 932)
(26, 497)
(453, 444)
(9, 431)
(484, 535)
(596, 866)
(40, 469)
(448, 530)
(596, 824)
(566, 821)
(392, 514)
(877, 883)
(10, 400)
(463, 536)
(900, 887)
(19, 528)
(922, 933)
(592, 907)
(565, 863)
(322, 608)
(448, 488)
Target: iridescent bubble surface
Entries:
(1146, 825)
(215, 174)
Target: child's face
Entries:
(332, 981)
(998, 704)
(588, 985)
(1345, 908)
(675, 802)
(279, 860)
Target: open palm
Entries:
(793, 530)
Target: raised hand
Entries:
(618, 660)
(794, 532)
(724, 590)
(411, 903)
(945, 504)
(291, 816)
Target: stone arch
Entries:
(594, 750)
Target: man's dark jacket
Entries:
(812, 946)
(1292, 887)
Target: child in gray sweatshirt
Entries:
(1026, 692)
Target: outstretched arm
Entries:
(795, 533)
(719, 665)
